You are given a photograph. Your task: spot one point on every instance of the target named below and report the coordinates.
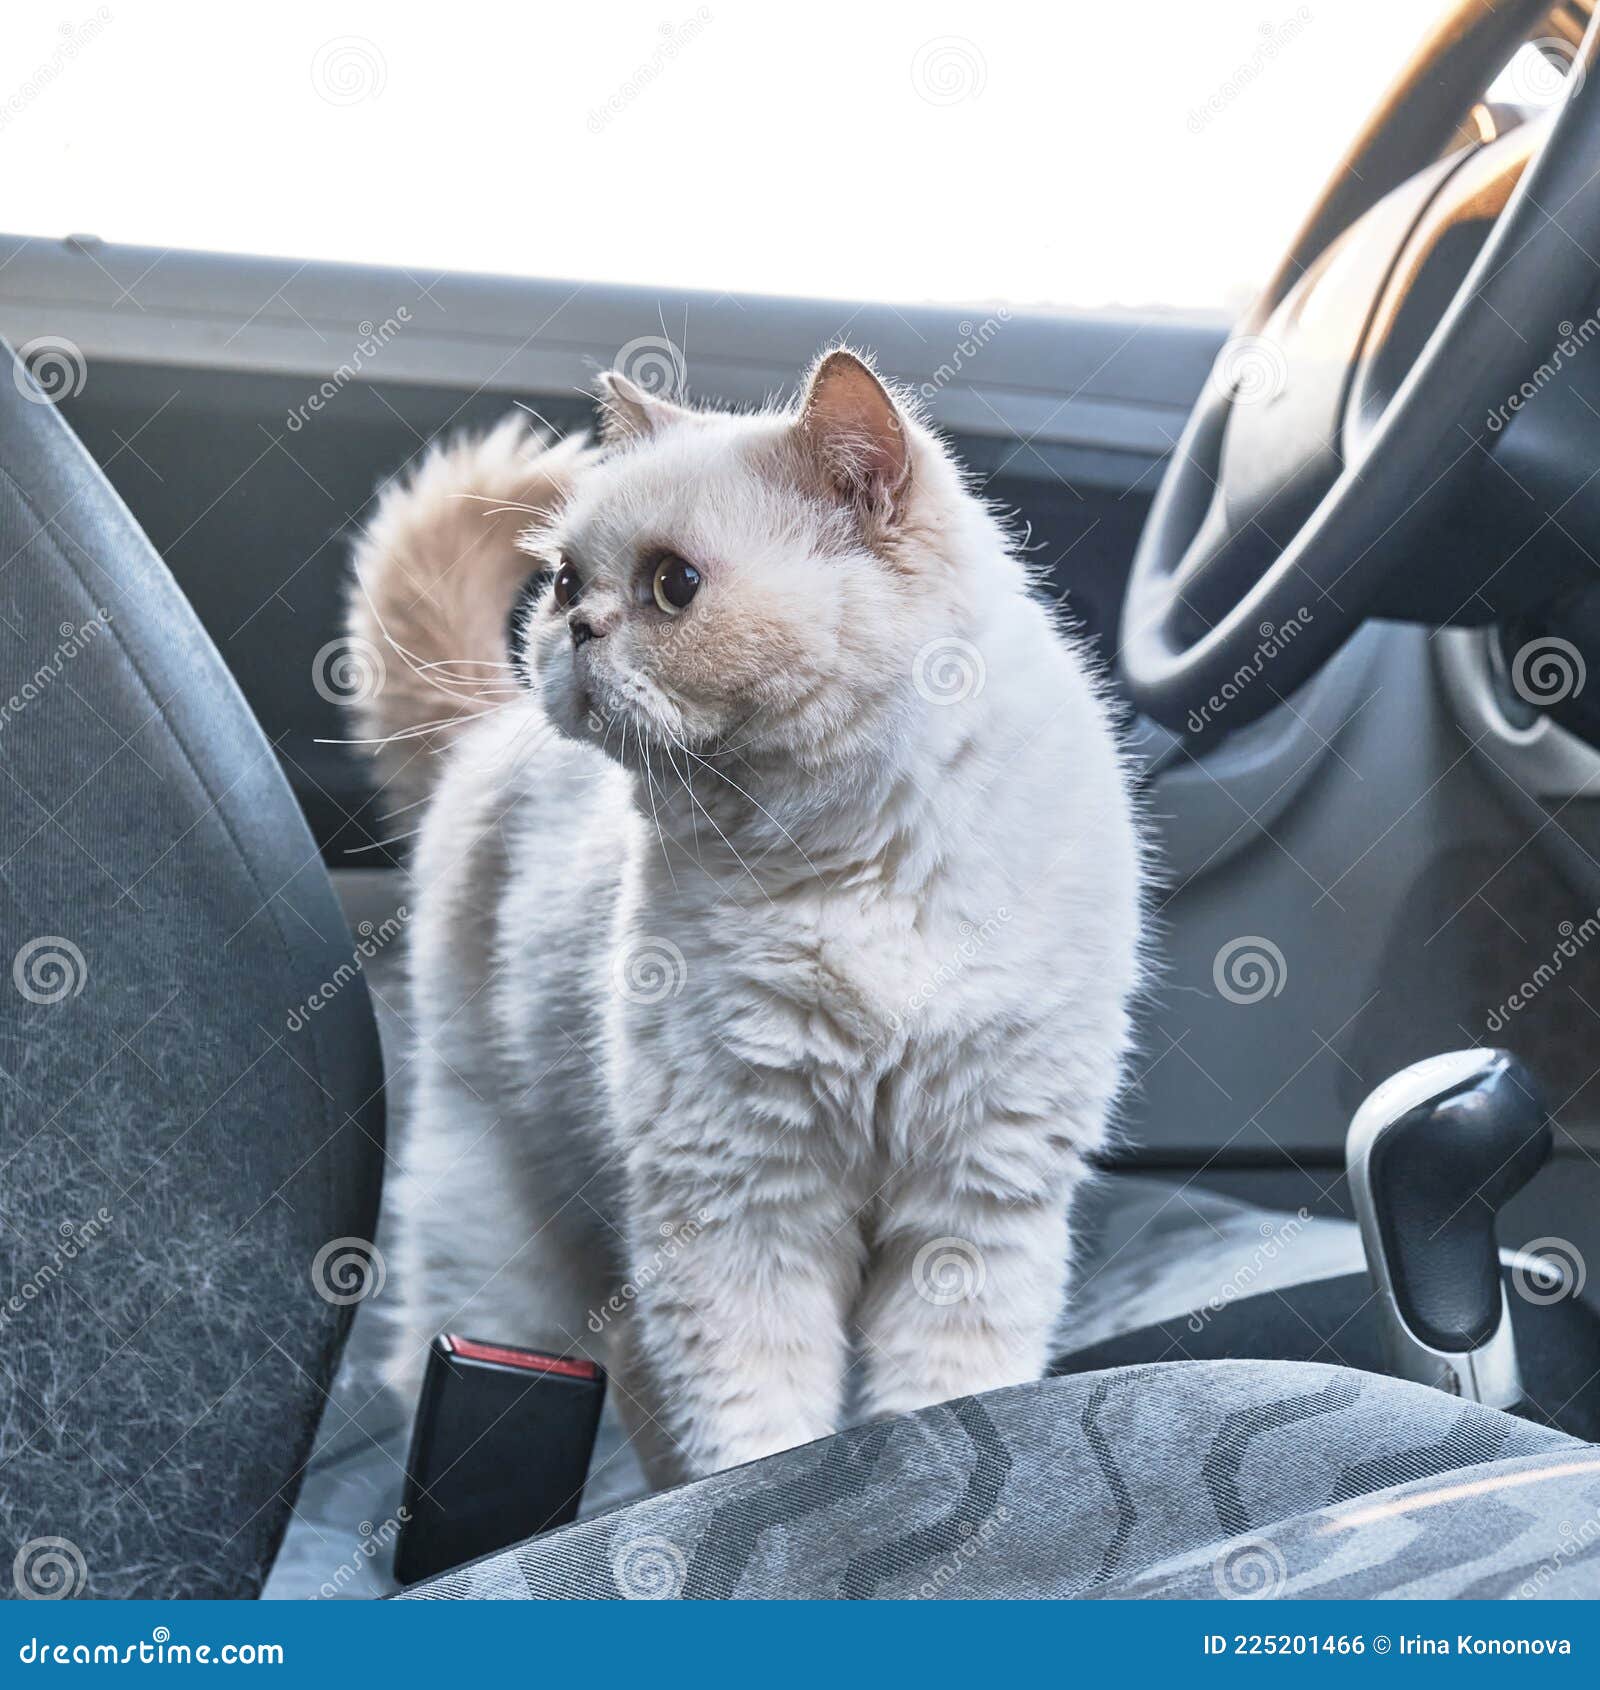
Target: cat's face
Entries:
(726, 580)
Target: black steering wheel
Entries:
(1443, 262)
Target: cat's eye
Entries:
(676, 582)
(567, 587)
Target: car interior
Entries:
(1331, 1331)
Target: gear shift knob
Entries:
(1433, 1154)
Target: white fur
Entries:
(908, 930)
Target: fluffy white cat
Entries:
(777, 913)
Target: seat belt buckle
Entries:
(499, 1451)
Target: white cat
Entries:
(775, 932)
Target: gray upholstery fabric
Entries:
(1517, 1529)
(1157, 1251)
(172, 1156)
(1181, 1479)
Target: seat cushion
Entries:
(1204, 1478)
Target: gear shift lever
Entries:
(1433, 1154)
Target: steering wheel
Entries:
(1357, 396)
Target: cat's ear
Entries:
(627, 412)
(854, 431)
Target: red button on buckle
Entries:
(529, 1361)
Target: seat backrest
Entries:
(175, 1158)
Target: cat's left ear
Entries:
(856, 434)
(627, 412)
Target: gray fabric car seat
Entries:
(1154, 1479)
(1150, 1250)
(1194, 1479)
(174, 1161)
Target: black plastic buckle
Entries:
(499, 1452)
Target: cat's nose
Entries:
(582, 631)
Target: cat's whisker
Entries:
(543, 421)
(382, 844)
(499, 693)
(433, 671)
(418, 730)
(754, 880)
(463, 663)
(728, 781)
(499, 507)
(519, 752)
(393, 810)
(413, 662)
(650, 785)
(723, 750)
(438, 665)
(400, 735)
(694, 819)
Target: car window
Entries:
(1077, 155)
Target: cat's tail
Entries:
(437, 572)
